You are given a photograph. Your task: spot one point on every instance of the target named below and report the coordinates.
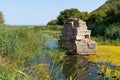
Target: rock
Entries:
(76, 37)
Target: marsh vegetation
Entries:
(34, 53)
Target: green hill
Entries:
(108, 13)
(108, 5)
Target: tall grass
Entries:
(102, 41)
(19, 45)
(26, 53)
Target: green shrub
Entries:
(53, 22)
(113, 31)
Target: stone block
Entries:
(92, 45)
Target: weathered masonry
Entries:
(75, 37)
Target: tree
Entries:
(97, 17)
(110, 19)
(68, 13)
(84, 16)
(117, 11)
(71, 13)
(1, 18)
(113, 31)
(113, 14)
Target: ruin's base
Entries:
(80, 47)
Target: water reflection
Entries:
(79, 68)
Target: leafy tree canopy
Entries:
(71, 13)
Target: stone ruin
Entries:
(76, 37)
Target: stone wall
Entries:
(76, 37)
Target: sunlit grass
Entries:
(10, 72)
(107, 53)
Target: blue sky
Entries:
(39, 12)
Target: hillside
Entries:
(107, 5)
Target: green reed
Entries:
(19, 46)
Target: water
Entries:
(75, 66)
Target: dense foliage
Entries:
(1, 18)
(62, 18)
(109, 12)
(105, 21)
(113, 31)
